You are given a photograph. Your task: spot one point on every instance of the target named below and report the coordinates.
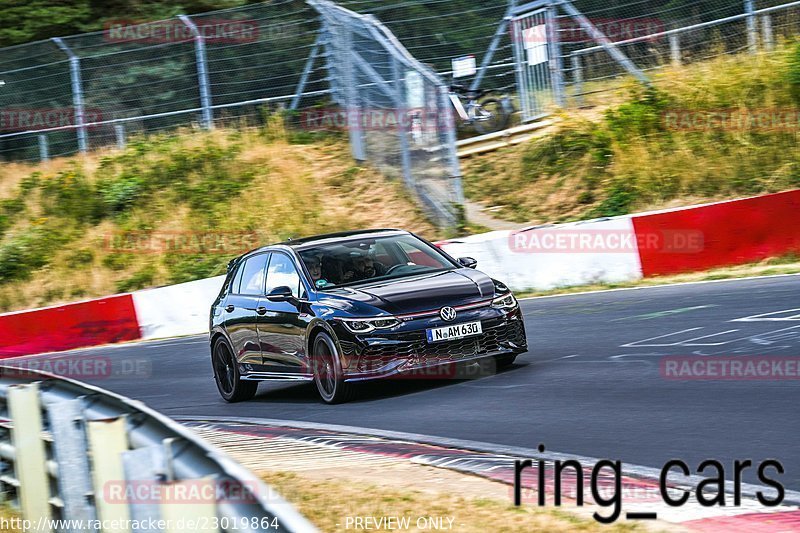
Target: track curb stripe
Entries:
(496, 462)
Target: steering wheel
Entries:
(393, 268)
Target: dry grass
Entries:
(537, 182)
(295, 190)
(329, 503)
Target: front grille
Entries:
(415, 348)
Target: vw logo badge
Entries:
(448, 314)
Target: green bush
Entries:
(9, 209)
(142, 279)
(82, 258)
(642, 115)
(28, 251)
(620, 200)
(183, 268)
(70, 195)
(117, 261)
(121, 193)
(793, 73)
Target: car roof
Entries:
(307, 242)
(328, 238)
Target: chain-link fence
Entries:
(95, 89)
(398, 114)
(648, 33)
(653, 34)
(76, 93)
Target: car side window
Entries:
(252, 283)
(236, 282)
(282, 273)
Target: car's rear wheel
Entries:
(328, 374)
(230, 384)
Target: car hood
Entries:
(418, 293)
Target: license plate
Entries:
(456, 331)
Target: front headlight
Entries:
(365, 325)
(507, 301)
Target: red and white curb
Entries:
(732, 232)
(639, 485)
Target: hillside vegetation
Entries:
(63, 224)
(630, 157)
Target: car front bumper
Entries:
(408, 353)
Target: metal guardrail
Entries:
(502, 139)
(74, 452)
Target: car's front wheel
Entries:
(328, 374)
(504, 361)
(230, 384)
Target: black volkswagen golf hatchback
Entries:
(346, 307)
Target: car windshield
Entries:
(371, 259)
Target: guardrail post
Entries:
(675, 49)
(766, 32)
(44, 153)
(30, 465)
(144, 466)
(107, 442)
(577, 77)
(199, 512)
(69, 444)
(752, 30)
(119, 133)
(77, 92)
(202, 71)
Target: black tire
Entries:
(505, 361)
(500, 118)
(328, 374)
(226, 374)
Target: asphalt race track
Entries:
(590, 385)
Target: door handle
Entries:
(261, 311)
(230, 308)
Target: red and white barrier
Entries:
(64, 327)
(540, 258)
(176, 310)
(535, 259)
(734, 232)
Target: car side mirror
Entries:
(280, 294)
(467, 262)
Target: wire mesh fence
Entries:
(224, 67)
(398, 114)
(655, 34)
(138, 76)
(145, 76)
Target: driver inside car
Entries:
(366, 267)
(314, 266)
